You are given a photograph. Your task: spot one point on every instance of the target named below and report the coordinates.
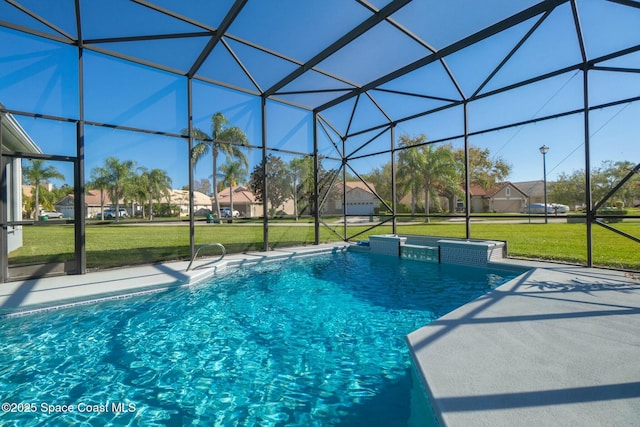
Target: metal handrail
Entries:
(208, 245)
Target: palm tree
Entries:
(37, 174)
(411, 162)
(232, 173)
(223, 138)
(156, 184)
(439, 173)
(99, 181)
(118, 176)
(138, 190)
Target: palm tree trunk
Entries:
(36, 202)
(427, 203)
(231, 201)
(117, 193)
(151, 205)
(216, 205)
(413, 201)
(295, 199)
(101, 204)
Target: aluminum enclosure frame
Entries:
(276, 91)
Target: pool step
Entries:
(434, 249)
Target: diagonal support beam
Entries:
(512, 21)
(630, 3)
(365, 26)
(40, 19)
(602, 224)
(233, 12)
(623, 181)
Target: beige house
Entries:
(360, 199)
(93, 202)
(533, 189)
(503, 198)
(180, 199)
(244, 201)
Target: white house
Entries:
(14, 138)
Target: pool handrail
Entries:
(208, 245)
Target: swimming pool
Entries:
(313, 341)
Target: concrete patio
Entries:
(557, 346)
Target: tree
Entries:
(223, 138)
(203, 185)
(278, 182)
(410, 163)
(609, 175)
(99, 181)
(301, 172)
(380, 177)
(232, 173)
(154, 184)
(483, 171)
(439, 174)
(569, 189)
(306, 192)
(36, 175)
(118, 179)
(137, 190)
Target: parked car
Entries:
(552, 208)
(535, 208)
(558, 208)
(111, 214)
(51, 214)
(226, 213)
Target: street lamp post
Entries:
(544, 150)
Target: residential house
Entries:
(533, 189)
(360, 199)
(244, 201)
(505, 197)
(94, 200)
(27, 191)
(14, 139)
(180, 199)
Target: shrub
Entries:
(612, 212)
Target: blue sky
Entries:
(41, 76)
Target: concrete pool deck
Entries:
(558, 345)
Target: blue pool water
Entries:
(313, 341)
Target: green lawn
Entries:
(118, 245)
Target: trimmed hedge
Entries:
(612, 212)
